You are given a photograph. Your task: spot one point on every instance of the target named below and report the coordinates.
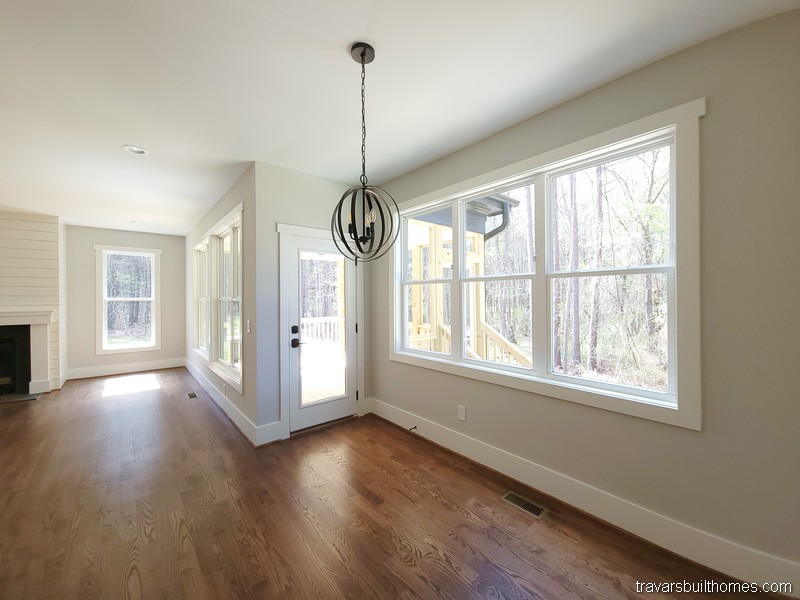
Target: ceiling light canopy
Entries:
(365, 222)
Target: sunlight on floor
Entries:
(130, 384)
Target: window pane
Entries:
(226, 254)
(612, 328)
(615, 214)
(428, 317)
(129, 323)
(201, 256)
(499, 323)
(499, 234)
(429, 242)
(236, 338)
(231, 333)
(128, 275)
(323, 356)
(203, 316)
(238, 291)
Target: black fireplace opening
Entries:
(15, 359)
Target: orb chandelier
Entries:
(365, 222)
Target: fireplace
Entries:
(15, 359)
(35, 343)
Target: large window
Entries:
(576, 278)
(230, 297)
(128, 299)
(217, 267)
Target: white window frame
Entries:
(201, 261)
(101, 278)
(234, 231)
(681, 404)
(231, 222)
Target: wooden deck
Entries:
(126, 488)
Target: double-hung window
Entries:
(576, 277)
(128, 299)
(230, 297)
(217, 268)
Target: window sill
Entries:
(200, 353)
(127, 349)
(663, 411)
(230, 376)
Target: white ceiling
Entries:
(208, 86)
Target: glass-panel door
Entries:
(323, 327)
(318, 353)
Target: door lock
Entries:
(296, 343)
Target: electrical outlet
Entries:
(462, 412)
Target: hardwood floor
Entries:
(151, 494)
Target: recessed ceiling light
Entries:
(135, 150)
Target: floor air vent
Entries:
(524, 504)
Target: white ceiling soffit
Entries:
(207, 87)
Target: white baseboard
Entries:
(736, 560)
(39, 386)
(58, 383)
(121, 369)
(257, 434)
(364, 406)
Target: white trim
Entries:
(39, 387)
(257, 434)
(122, 369)
(737, 560)
(364, 403)
(231, 219)
(528, 167)
(128, 250)
(101, 273)
(56, 383)
(301, 231)
(288, 235)
(26, 317)
(226, 373)
(681, 404)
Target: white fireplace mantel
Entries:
(39, 320)
(26, 317)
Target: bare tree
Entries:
(594, 318)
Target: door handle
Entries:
(296, 343)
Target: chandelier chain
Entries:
(365, 223)
(363, 123)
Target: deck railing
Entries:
(490, 345)
(324, 329)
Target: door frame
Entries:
(286, 231)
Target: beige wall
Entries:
(739, 477)
(293, 198)
(242, 192)
(30, 274)
(270, 195)
(81, 298)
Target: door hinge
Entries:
(356, 395)
(356, 327)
